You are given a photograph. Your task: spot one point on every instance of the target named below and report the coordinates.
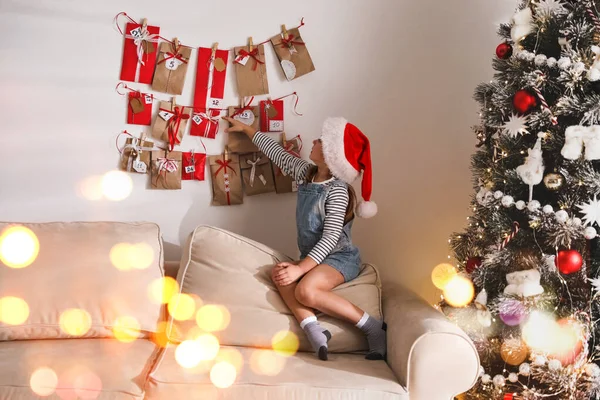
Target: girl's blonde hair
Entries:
(310, 174)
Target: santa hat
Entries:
(347, 152)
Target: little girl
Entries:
(324, 216)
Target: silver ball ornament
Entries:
(561, 216)
(548, 209)
(525, 369)
(499, 381)
(512, 377)
(590, 233)
(520, 205)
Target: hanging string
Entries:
(123, 13)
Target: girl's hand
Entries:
(237, 126)
(286, 273)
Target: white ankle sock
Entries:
(362, 321)
(308, 320)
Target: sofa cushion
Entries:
(99, 369)
(76, 269)
(229, 270)
(303, 377)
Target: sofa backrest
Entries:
(89, 279)
(220, 268)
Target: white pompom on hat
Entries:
(347, 153)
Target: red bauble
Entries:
(524, 101)
(508, 396)
(473, 263)
(504, 51)
(568, 344)
(568, 261)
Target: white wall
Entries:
(403, 71)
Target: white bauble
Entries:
(554, 365)
(533, 205)
(520, 205)
(561, 216)
(508, 201)
(548, 209)
(498, 194)
(590, 233)
(540, 59)
(485, 379)
(592, 369)
(551, 62)
(577, 221)
(525, 369)
(499, 381)
(539, 360)
(513, 377)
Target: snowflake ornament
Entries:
(546, 8)
(591, 211)
(516, 125)
(595, 283)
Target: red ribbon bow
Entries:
(289, 42)
(173, 125)
(289, 147)
(174, 55)
(224, 164)
(247, 107)
(254, 54)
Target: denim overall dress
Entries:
(310, 219)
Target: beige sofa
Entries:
(95, 328)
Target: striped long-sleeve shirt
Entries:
(335, 203)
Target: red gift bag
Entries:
(193, 166)
(139, 108)
(209, 90)
(271, 115)
(139, 52)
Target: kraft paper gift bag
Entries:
(240, 142)
(166, 170)
(250, 71)
(293, 54)
(171, 68)
(257, 174)
(226, 180)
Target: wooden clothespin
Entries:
(176, 43)
(226, 152)
(283, 141)
(250, 44)
(144, 23)
(241, 102)
(173, 102)
(286, 35)
(214, 49)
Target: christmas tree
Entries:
(526, 276)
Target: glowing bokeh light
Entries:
(209, 345)
(126, 329)
(231, 356)
(285, 343)
(91, 188)
(13, 310)
(442, 274)
(116, 185)
(160, 337)
(188, 353)
(141, 255)
(266, 362)
(19, 247)
(119, 256)
(182, 307)
(459, 291)
(223, 374)
(75, 322)
(162, 290)
(213, 318)
(43, 381)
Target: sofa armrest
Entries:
(430, 355)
